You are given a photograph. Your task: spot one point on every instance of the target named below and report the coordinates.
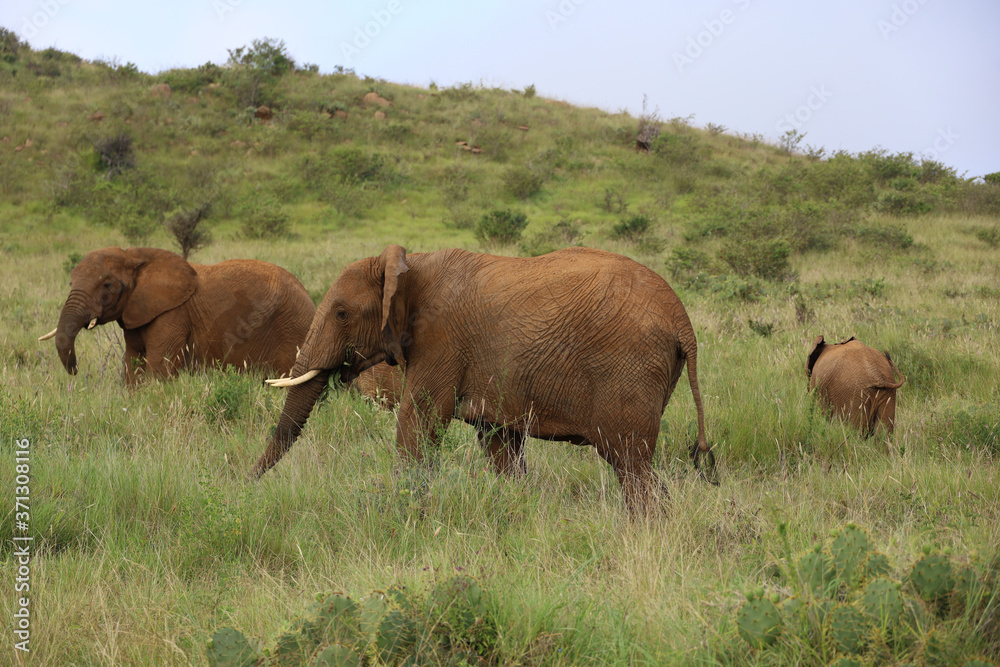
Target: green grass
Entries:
(149, 536)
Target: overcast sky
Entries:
(921, 76)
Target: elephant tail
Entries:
(895, 374)
(689, 350)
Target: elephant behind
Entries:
(579, 345)
(855, 382)
(175, 314)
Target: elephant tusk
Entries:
(49, 335)
(93, 323)
(291, 382)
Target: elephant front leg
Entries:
(505, 447)
(134, 360)
(165, 344)
(422, 419)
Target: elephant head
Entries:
(360, 323)
(131, 286)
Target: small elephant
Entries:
(579, 345)
(243, 312)
(855, 382)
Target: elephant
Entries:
(855, 382)
(243, 312)
(578, 345)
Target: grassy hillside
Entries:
(147, 535)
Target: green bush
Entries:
(192, 80)
(894, 237)
(989, 235)
(631, 228)
(522, 182)
(501, 226)
(765, 258)
(262, 216)
(679, 149)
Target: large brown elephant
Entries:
(578, 345)
(855, 382)
(243, 312)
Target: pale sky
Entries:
(920, 76)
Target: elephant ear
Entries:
(392, 266)
(163, 281)
(817, 349)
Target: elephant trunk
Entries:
(74, 316)
(298, 404)
(317, 353)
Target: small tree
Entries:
(501, 226)
(253, 68)
(185, 226)
(114, 155)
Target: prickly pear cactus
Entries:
(759, 622)
(932, 577)
(292, 648)
(816, 571)
(849, 550)
(230, 648)
(373, 609)
(396, 634)
(882, 602)
(337, 655)
(847, 628)
(877, 565)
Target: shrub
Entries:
(563, 234)
(191, 81)
(885, 166)
(678, 149)
(186, 230)
(765, 258)
(501, 226)
(686, 264)
(631, 228)
(263, 216)
(989, 235)
(72, 260)
(114, 154)
(522, 182)
(253, 70)
(894, 237)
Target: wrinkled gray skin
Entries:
(579, 345)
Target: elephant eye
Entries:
(342, 315)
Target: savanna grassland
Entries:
(148, 535)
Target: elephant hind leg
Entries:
(884, 410)
(505, 447)
(631, 457)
